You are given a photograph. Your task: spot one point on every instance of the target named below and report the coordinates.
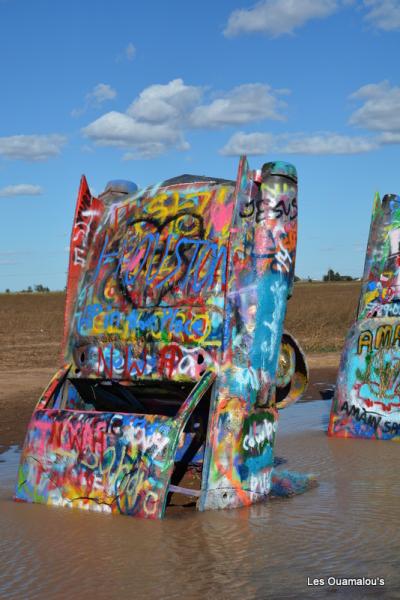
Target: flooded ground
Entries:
(347, 527)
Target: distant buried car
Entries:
(367, 398)
(174, 347)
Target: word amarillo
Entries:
(363, 416)
(161, 323)
(385, 336)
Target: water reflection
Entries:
(346, 527)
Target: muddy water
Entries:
(347, 527)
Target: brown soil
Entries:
(31, 327)
(18, 396)
(320, 314)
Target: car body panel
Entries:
(174, 345)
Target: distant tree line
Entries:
(332, 276)
(29, 290)
(296, 279)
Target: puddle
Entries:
(346, 527)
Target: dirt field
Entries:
(31, 326)
(320, 314)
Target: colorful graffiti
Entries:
(153, 291)
(174, 346)
(380, 295)
(108, 462)
(367, 399)
(239, 455)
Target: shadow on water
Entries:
(324, 421)
(343, 528)
(279, 460)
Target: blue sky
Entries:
(149, 90)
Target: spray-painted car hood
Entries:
(150, 282)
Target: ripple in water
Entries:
(346, 527)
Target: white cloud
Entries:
(157, 119)
(383, 14)
(31, 147)
(277, 17)
(20, 189)
(381, 108)
(102, 92)
(379, 112)
(313, 144)
(243, 104)
(130, 51)
(328, 143)
(387, 137)
(152, 149)
(118, 129)
(160, 103)
(152, 124)
(249, 143)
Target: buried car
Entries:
(174, 352)
(367, 398)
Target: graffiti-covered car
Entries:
(367, 398)
(174, 351)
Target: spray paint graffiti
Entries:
(156, 275)
(109, 462)
(367, 399)
(97, 461)
(174, 323)
(262, 244)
